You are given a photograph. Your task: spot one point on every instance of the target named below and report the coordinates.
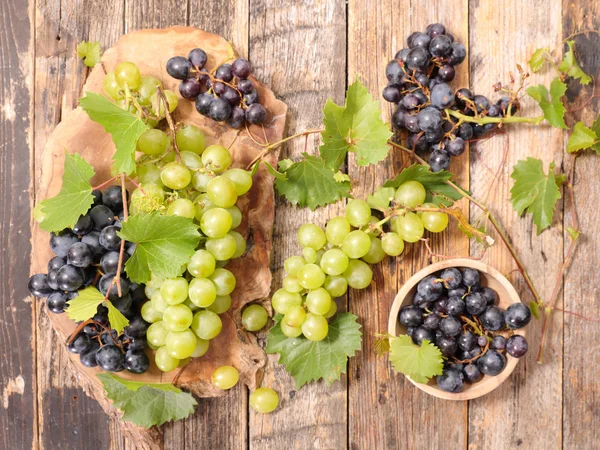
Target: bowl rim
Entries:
(489, 383)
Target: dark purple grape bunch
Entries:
(445, 307)
(227, 96)
(418, 79)
(88, 255)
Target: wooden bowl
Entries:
(490, 277)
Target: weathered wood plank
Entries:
(17, 312)
(581, 416)
(502, 35)
(299, 48)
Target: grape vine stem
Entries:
(117, 278)
(165, 102)
(499, 120)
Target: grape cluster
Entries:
(340, 256)
(88, 255)
(418, 79)
(452, 310)
(228, 95)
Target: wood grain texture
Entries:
(502, 35)
(386, 410)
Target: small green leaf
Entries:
(420, 363)
(124, 127)
(116, 318)
(310, 183)
(573, 233)
(553, 108)
(381, 198)
(308, 360)
(355, 127)
(85, 305)
(535, 309)
(570, 66)
(274, 172)
(89, 52)
(75, 196)
(581, 138)
(340, 176)
(147, 404)
(285, 164)
(382, 343)
(538, 59)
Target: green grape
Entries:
(334, 262)
(177, 318)
(240, 244)
(242, 179)
(358, 213)
(148, 290)
(223, 280)
(158, 302)
(318, 301)
(147, 89)
(202, 292)
(336, 285)
(359, 275)
(436, 222)
(206, 324)
(190, 138)
(153, 142)
(127, 106)
(149, 174)
(288, 331)
(193, 307)
(181, 344)
(202, 346)
(309, 254)
(320, 254)
(216, 158)
(175, 176)
(332, 311)
(200, 180)
(312, 236)
(182, 207)
(221, 248)
(149, 314)
(310, 276)
(283, 300)
(147, 198)
(392, 244)
(202, 264)
(356, 244)
(164, 361)
(128, 75)
(375, 231)
(203, 204)
(410, 228)
(168, 157)
(191, 160)
(291, 284)
(295, 316)
(221, 191)
(111, 87)
(221, 304)
(254, 317)
(375, 253)
(216, 222)
(152, 346)
(393, 225)
(315, 327)
(157, 104)
(336, 230)
(236, 216)
(225, 377)
(264, 400)
(174, 290)
(410, 194)
(156, 334)
(293, 264)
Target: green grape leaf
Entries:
(147, 404)
(340, 176)
(438, 191)
(571, 67)
(538, 59)
(307, 360)
(381, 345)
(573, 233)
(124, 127)
(163, 245)
(535, 309)
(89, 52)
(85, 305)
(535, 192)
(355, 127)
(596, 129)
(285, 164)
(278, 175)
(554, 110)
(75, 196)
(419, 363)
(116, 318)
(581, 138)
(310, 183)
(381, 198)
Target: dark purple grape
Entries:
(417, 142)
(446, 73)
(462, 94)
(110, 261)
(465, 131)
(61, 242)
(204, 78)
(102, 216)
(93, 240)
(504, 102)
(499, 342)
(241, 68)
(494, 111)
(435, 29)
(411, 316)
(105, 282)
(392, 93)
(251, 97)
(219, 88)
(80, 344)
(198, 57)
(88, 358)
(467, 341)
(430, 288)
(482, 341)
(224, 73)
(455, 306)
(203, 102)
(52, 279)
(470, 278)
(452, 278)
(481, 103)
(256, 114)
(418, 299)
(219, 110)
(97, 197)
(56, 263)
(456, 146)
(232, 96)
(411, 123)
(423, 80)
(472, 373)
(470, 354)
(492, 363)
(411, 36)
(442, 96)
(421, 334)
(136, 362)
(70, 278)
(410, 331)
(57, 302)
(80, 255)
(458, 292)
(458, 55)
(441, 305)
(245, 86)
(493, 318)
(137, 344)
(110, 358)
(113, 198)
(137, 328)
(439, 160)
(237, 119)
(421, 40)
(450, 381)
(179, 67)
(410, 101)
(450, 326)
(417, 59)
(190, 88)
(83, 225)
(109, 239)
(440, 46)
(430, 119)
(398, 117)
(478, 130)
(394, 72)
(447, 345)
(435, 136)
(517, 316)
(38, 285)
(432, 322)
(476, 303)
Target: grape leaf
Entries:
(571, 67)
(438, 191)
(164, 244)
(581, 138)
(147, 404)
(538, 59)
(355, 127)
(310, 183)
(554, 110)
(124, 127)
(419, 363)
(272, 170)
(89, 52)
(535, 192)
(85, 305)
(340, 176)
(75, 196)
(596, 129)
(307, 360)
(381, 198)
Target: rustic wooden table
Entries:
(308, 51)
